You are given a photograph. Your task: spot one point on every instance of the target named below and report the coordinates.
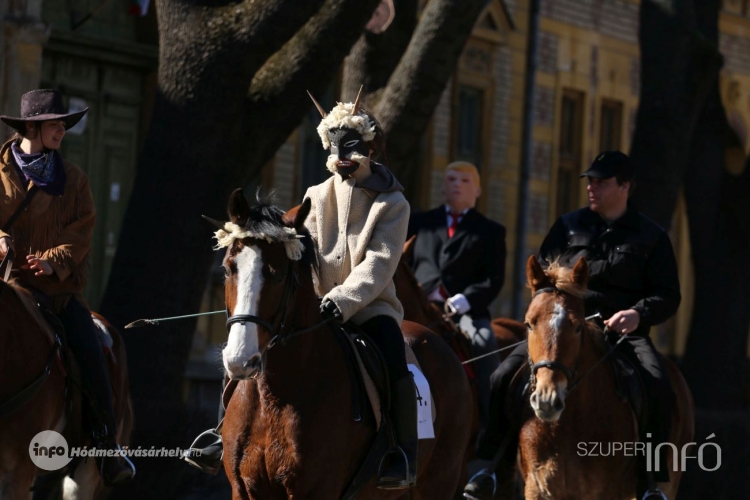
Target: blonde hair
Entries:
(467, 168)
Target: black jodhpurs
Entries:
(498, 424)
(83, 340)
(660, 396)
(385, 332)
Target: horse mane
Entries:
(265, 220)
(562, 279)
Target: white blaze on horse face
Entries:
(557, 319)
(243, 338)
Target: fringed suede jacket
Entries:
(359, 234)
(55, 228)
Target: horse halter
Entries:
(550, 363)
(279, 316)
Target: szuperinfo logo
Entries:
(653, 454)
(49, 450)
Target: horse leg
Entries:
(17, 484)
(83, 484)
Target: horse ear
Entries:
(535, 274)
(238, 208)
(296, 216)
(408, 247)
(580, 273)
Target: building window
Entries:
(569, 168)
(610, 126)
(468, 134)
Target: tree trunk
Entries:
(374, 57)
(209, 56)
(680, 141)
(678, 68)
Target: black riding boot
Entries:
(499, 443)
(83, 340)
(398, 468)
(207, 451)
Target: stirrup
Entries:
(655, 494)
(481, 473)
(121, 454)
(395, 485)
(202, 461)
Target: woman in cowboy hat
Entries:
(53, 235)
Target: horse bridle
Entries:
(279, 318)
(551, 363)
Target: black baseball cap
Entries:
(611, 164)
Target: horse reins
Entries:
(556, 365)
(279, 318)
(24, 395)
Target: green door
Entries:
(106, 149)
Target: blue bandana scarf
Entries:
(45, 170)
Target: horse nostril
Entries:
(534, 399)
(559, 405)
(253, 363)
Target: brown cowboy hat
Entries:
(42, 105)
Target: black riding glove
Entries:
(328, 309)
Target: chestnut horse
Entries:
(290, 429)
(561, 344)
(27, 352)
(419, 309)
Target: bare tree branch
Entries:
(309, 61)
(414, 89)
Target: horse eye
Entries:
(579, 328)
(351, 144)
(528, 325)
(226, 271)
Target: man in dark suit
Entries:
(459, 259)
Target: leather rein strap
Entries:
(28, 392)
(277, 332)
(553, 365)
(7, 261)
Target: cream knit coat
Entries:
(359, 236)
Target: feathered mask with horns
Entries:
(346, 131)
(344, 115)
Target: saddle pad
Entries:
(372, 392)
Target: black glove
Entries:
(328, 309)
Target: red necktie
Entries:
(454, 225)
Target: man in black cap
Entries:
(633, 284)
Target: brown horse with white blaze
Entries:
(28, 358)
(290, 429)
(563, 346)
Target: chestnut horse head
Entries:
(556, 322)
(262, 243)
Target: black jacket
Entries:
(471, 263)
(631, 263)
